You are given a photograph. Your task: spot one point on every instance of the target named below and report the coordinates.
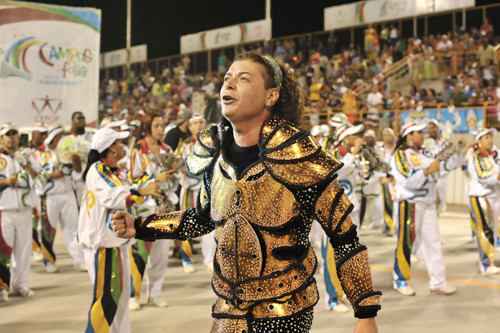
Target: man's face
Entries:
(10, 140)
(38, 138)
(387, 137)
(78, 121)
(433, 130)
(244, 92)
(196, 125)
(369, 141)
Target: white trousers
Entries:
(121, 321)
(427, 242)
(17, 233)
(441, 186)
(156, 268)
(375, 210)
(208, 247)
(63, 208)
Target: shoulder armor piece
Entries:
(294, 157)
(207, 147)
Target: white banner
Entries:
(364, 12)
(226, 36)
(115, 58)
(49, 63)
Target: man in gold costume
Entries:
(264, 182)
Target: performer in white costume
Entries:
(16, 204)
(107, 256)
(58, 201)
(484, 197)
(415, 210)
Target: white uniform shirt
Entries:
(18, 196)
(408, 170)
(46, 160)
(143, 169)
(483, 174)
(104, 196)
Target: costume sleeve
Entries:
(406, 173)
(455, 161)
(190, 223)
(486, 175)
(332, 212)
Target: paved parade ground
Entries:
(62, 300)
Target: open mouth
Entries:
(227, 99)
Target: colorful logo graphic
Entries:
(15, 57)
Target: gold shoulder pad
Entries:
(207, 147)
(295, 158)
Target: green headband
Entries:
(278, 75)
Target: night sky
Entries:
(160, 23)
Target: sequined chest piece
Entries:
(251, 211)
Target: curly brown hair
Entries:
(290, 104)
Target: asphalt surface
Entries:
(63, 299)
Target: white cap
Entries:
(40, 127)
(7, 127)
(338, 119)
(112, 122)
(196, 116)
(412, 127)
(53, 131)
(435, 122)
(344, 130)
(371, 133)
(485, 131)
(390, 130)
(105, 137)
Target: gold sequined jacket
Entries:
(264, 263)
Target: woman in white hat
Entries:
(415, 210)
(58, 200)
(146, 255)
(107, 256)
(484, 197)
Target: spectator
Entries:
(485, 52)
(487, 30)
(446, 91)
(370, 36)
(458, 95)
(181, 131)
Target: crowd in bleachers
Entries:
(353, 80)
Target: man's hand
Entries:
(77, 162)
(123, 225)
(11, 180)
(166, 175)
(386, 180)
(367, 325)
(153, 189)
(56, 174)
